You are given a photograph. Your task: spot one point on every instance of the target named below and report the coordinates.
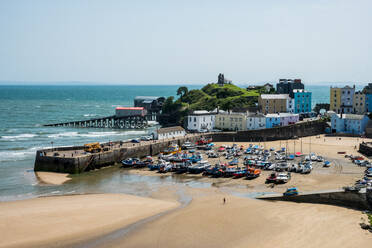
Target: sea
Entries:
(25, 108)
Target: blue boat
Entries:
(326, 164)
(234, 162)
(291, 192)
(130, 162)
(153, 167)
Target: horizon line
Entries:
(93, 83)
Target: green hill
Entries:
(210, 97)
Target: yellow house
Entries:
(335, 99)
(231, 121)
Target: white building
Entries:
(288, 119)
(256, 121)
(201, 120)
(169, 133)
(349, 123)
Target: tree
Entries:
(182, 91)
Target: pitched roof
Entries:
(170, 129)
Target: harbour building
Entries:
(302, 101)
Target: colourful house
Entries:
(302, 101)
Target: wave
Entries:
(95, 134)
(90, 115)
(18, 137)
(18, 155)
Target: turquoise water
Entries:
(24, 109)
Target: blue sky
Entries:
(173, 42)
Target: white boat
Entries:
(283, 177)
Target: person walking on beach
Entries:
(224, 200)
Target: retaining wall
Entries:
(339, 198)
(278, 133)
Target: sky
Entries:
(185, 42)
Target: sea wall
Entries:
(78, 164)
(339, 198)
(277, 133)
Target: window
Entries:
(194, 119)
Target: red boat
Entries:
(271, 178)
(204, 141)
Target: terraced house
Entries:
(341, 99)
(231, 121)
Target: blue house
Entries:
(302, 101)
(349, 123)
(272, 120)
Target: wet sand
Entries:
(62, 220)
(52, 177)
(243, 222)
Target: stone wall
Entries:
(339, 198)
(88, 162)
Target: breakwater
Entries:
(74, 160)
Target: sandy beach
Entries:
(243, 222)
(61, 220)
(52, 177)
(206, 221)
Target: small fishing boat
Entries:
(327, 164)
(229, 171)
(200, 167)
(307, 168)
(271, 178)
(291, 192)
(187, 146)
(253, 173)
(130, 162)
(240, 173)
(283, 177)
(172, 149)
(234, 162)
(282, 166)
(165, 167)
